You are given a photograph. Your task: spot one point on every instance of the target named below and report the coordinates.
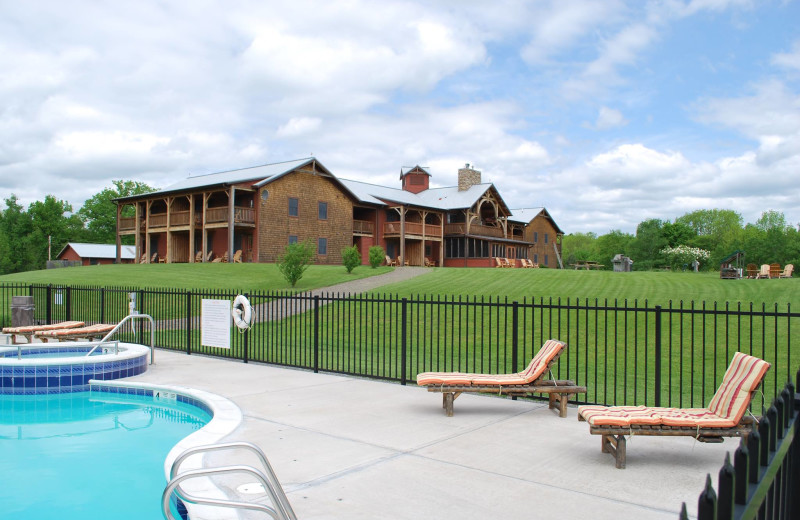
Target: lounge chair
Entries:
(724, 416)
(198, 257)
(209, 256)
(775, 270)
(787, 271)
(429, 262)
(28, 331)
(88, 333)
(390, 262)
(498, 262)
(529, 381)
(511, 262)
(763, 272)
(752, 270)
(154, 258)
(237, 257)
(223, 258)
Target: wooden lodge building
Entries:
(257, 211)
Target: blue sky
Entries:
(605, 112)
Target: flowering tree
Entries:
(681, 257)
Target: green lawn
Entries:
(193, 276)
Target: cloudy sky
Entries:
(605, 112)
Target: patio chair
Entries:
(498, 262)
(209, 256)
(787, 271)
(143, 259)
(429, 262)
(28, 331)
(88, 333)
(752, 270)
(763, 272)
(511, 262)
(724, 416)
(237, 257)
(775, 270)
(529, 381)
(198, 257)
(223, 258)
(154, 258)
(390, 262)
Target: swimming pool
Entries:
(96, 454)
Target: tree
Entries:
(579, 247)
(646, 248)
(295, 260)
(15, 229)
(351, 258)
(718, 231)
(52, 226)
(611, 244)
(376, 256)
(678, 234)
(99, 213)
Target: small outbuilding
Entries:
(732, 266)
(95, 254)
(622, 264)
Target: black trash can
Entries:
(21, 311)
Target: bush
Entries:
(295, 260)
(681, 257)
(376, 256)
(351, 258)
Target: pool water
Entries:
(88, 454)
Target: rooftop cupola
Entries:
(415, 179)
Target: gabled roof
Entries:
(526, 215)
(258, 175)
(414, 169)
(444, 199)
(85, 250)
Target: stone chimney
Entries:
(468, 177)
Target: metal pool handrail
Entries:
(268, 479)
(125, 319)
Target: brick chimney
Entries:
(468, 177)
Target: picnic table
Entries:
(587, 265)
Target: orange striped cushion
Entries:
(618, 415)
(36, 328)
(693, 417)
(535, 369)
(741, 379)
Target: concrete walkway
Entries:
(352, 448)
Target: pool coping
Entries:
(226, 416)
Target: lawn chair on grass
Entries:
(390, 262)
(752, 270)
(88, 333)
(763, 272)
(28, 331)
(237, 257)
(724, 417)
(775, 270)
(787, 271)
(529, 381)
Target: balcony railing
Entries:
(474, 229)
(179, 218)
(127, 223)
(240, 215)
(412, 228)
(363, 227)
(159, 220)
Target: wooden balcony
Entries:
(158, 221)
(475, 229)
(392, 229)
(179, 218)
(363, 227)
(127, 224)
(240, 215)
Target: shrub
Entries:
(376, 256)
(351, 258)
(295, 260)
(681, 257)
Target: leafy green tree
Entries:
(99, 213)
(678, 234)
(579, 247)
(613, 243)
(376, 256)
(295, 260)
(15, 230)
(351, 258)
(718, 231)
(52, 226)
(650, 241)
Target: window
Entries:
(545, 239)
(322, 246)
(322, 210)
(292, 239)
(545, 260)
(535, 236)
(535, 258)
(294, 207)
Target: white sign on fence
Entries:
(215, 323)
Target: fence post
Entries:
(102, 304)
(403, 340)
(727, 480)
(515, 336)
(68, 314)
(740, 465)
(188, 322)
(49, 303)
(658, 356)
(246, 333)
(707, 502)
(316, 334)
(754, 449)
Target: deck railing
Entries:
(474, 229)
(363, 227)
(623, 352)
(127, 223)
(412, 228)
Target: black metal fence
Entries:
(764, 480)
(623, 352)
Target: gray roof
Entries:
(257, 174)
(437, 198)
(100, 250)
(525, 214)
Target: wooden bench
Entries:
(28, 331)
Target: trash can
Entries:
(21, 311)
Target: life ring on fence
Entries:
(242, 312)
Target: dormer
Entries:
(415, 179)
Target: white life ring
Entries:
(241, 312)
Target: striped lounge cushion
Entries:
(535, 369)
(37, 328)
(724, 411)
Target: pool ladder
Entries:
(280, 510)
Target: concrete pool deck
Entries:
(345, 447)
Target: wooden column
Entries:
(402, 236)
(230, 223)
(192, 252)
(148, 206)
(138, 235)
(118, 241)
(203, 227)
(169, 201)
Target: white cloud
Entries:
(298, 126)
(789, 60)
(608, 118)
